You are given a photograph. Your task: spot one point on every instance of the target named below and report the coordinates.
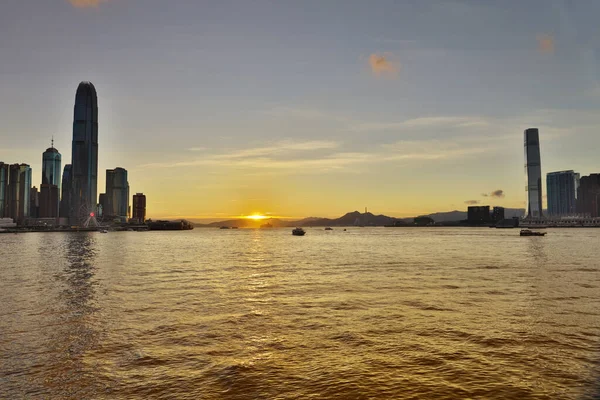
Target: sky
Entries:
(307, 108)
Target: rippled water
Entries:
(260, 314)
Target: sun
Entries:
(256, 217)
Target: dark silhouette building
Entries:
(48, 201)
(588, 195)
(533, 172)
(4, 169)
(497, 214)
(139, 208)
(34, 203)
(561, 188)
(102, 204)
(65, 196)
(84, 158)
(117, 194)
(477, 215)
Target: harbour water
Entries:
(370, 313)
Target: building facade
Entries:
(117, 194)
(139, 208)
(561, 188)
(84, 156)
(533, 173)
(588, 196)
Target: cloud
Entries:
(424, 123)
(498, 194)
(472, 202)
(545, 44)
(86, 3)
(383, 65)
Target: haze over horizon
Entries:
(309, 108)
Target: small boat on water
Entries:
(329, 228)
(528, 232)
(298, 232)
(225, 227)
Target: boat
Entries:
(224, 227)
(329, 228)
(267, 225)
(298, 232)
(528, 232)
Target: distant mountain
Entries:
(354, 218)
(246, 223)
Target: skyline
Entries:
(314, 118)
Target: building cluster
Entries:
(569, 196)
(70, 199)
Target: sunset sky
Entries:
(307, 108)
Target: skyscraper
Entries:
(139, 208)
(65, 198)
(84, 158)
(533, 173)
(3, 189)
(561, 188)
(117, 194)
(51, 168)
(19, 192)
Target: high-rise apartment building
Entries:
(19, 192)
(533, 172)
(588, 195)
(139, 208)
(117, 194)
(84, 159)
(561, 188)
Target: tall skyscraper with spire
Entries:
(533, 173)
(84, 156)
(50, 187)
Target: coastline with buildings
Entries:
(70, 202)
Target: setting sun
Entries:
(256, 217)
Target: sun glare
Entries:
(256, 217)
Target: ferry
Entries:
(298, 232)
(527, 232)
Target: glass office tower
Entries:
(84, 159)
(533, 173)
